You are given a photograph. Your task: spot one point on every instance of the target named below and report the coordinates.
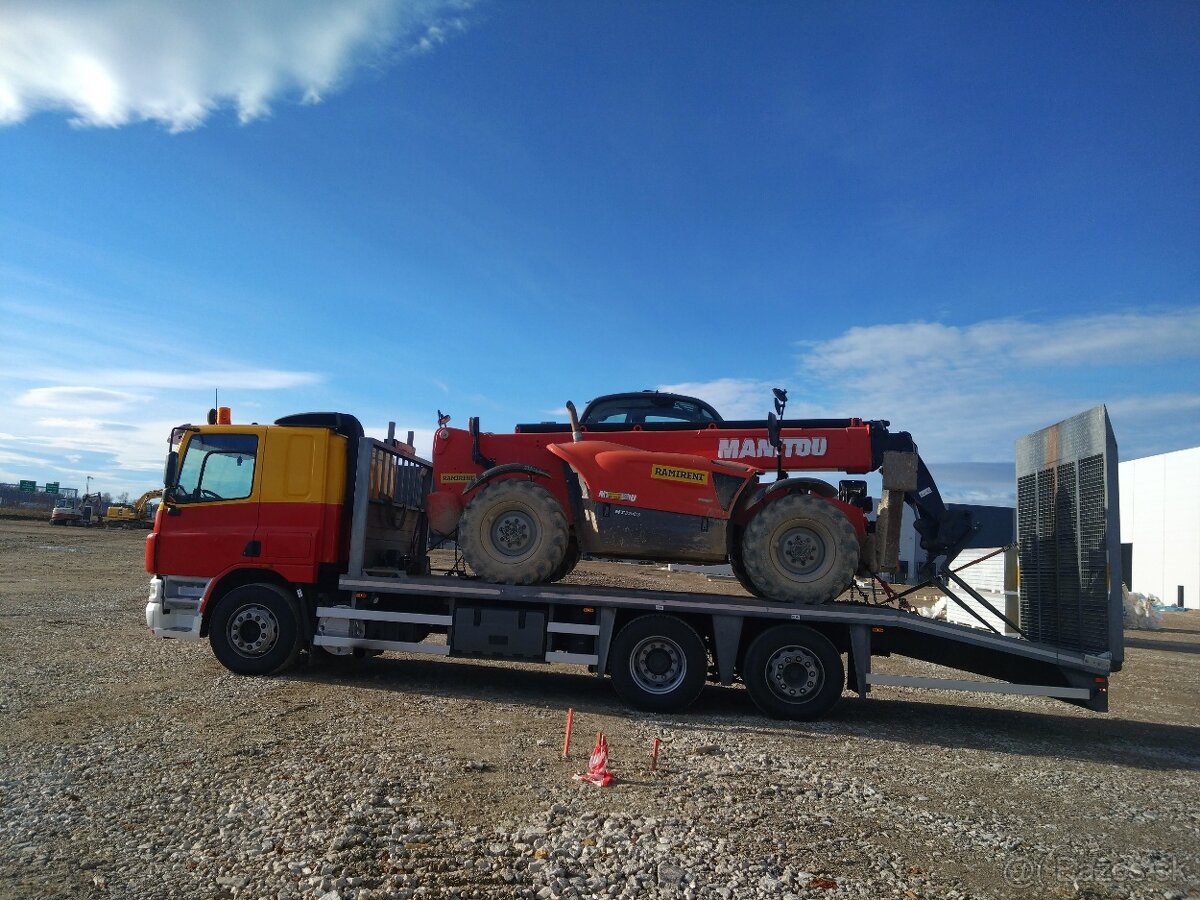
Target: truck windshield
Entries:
(217, 467)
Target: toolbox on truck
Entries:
(499, 631)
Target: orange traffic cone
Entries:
(597, 772)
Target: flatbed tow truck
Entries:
(305, 534)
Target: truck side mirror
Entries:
(170, 471)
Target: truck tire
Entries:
(793, 672)
(255, 630)
(513, 532)
(658, 663)
(800, 549)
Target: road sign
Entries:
(51, 487)
(28, 486)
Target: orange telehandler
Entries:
(664, 477)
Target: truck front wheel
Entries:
(800, 549)
(513, 532)
(659, 663)
(793, 672)
(255, 630)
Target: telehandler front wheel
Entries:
(570, 561)
(513, 532)
(800, 549)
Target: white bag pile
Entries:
(1140, 613)
(937, 611)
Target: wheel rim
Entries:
(801, 551)
(658, 665)
(514, 532)
(794, 674)
(253, 630)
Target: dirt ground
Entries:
(114, 744)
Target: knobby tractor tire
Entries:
(793, 672)
(739, 568)
(658, 663)
(567, 566)
(255, 630)
(513, 532)
(800, 549)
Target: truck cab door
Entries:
(210, 521)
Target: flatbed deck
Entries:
(869, 630)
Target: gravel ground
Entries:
(133, 767)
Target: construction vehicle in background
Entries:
(663, 477)
(132, 515)
(83, 510)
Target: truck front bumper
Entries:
(173, 609)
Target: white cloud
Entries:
(253, 379)
(733, 398)
(8, 458)
(121, 61)
(66, 397)
(68, 423)
(1085, 341)
(966, 393)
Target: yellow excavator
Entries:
(132, 515)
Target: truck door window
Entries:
(217, 467)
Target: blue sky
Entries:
(971, 219)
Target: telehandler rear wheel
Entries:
(800, 549)
(513, 532)
(739, 568)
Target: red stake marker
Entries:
(654, 755)
(567, 737)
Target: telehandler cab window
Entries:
(217, 467)
(639, 409)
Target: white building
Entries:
(996, 526)
(1160, 525)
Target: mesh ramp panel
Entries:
(1068, 535)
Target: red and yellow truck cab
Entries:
(248, 504)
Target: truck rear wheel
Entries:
(659, 663)
(255, 630)
(793, 672)
(513, 532)
(800, 549)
